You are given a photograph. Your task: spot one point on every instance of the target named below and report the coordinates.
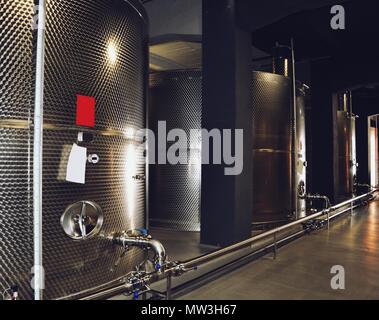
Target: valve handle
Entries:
(82, 222)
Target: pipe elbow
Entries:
(145, 242)
(160, 252)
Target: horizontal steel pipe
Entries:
(216, 254)
(189, 265)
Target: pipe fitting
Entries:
(136, 238)
(364, 185)
(318, 197)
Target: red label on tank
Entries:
(85, 111)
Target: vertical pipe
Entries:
(147, 126)
(37, 153)
(369, 147)
(275, 245)
(294, 132)
(376, 152)
(352, 144)
(169, 286)
(328, 212)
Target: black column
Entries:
(226, 200)
(323, 162)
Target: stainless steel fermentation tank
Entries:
(175, 190)
(283, 63)
(174, 194)
(272, 149)
(346, 143)
(96, 48)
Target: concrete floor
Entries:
(303, 268)
(181, 246)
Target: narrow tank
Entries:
(346, 142)
(95, 50)
(174, 193)
(272, 148)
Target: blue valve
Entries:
(158, 267)
(144, 232)
(135, 295)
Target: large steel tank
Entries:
(346, 143)
(345, 127)
(94, 48)
(174, 190)
(272, 148)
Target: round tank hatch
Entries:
(82, 220)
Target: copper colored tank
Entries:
(271, 113)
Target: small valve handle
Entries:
(93, 158)
(143, 231)
(82, 221)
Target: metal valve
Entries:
(93, 158)
(82, 220)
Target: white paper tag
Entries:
(76, 167)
